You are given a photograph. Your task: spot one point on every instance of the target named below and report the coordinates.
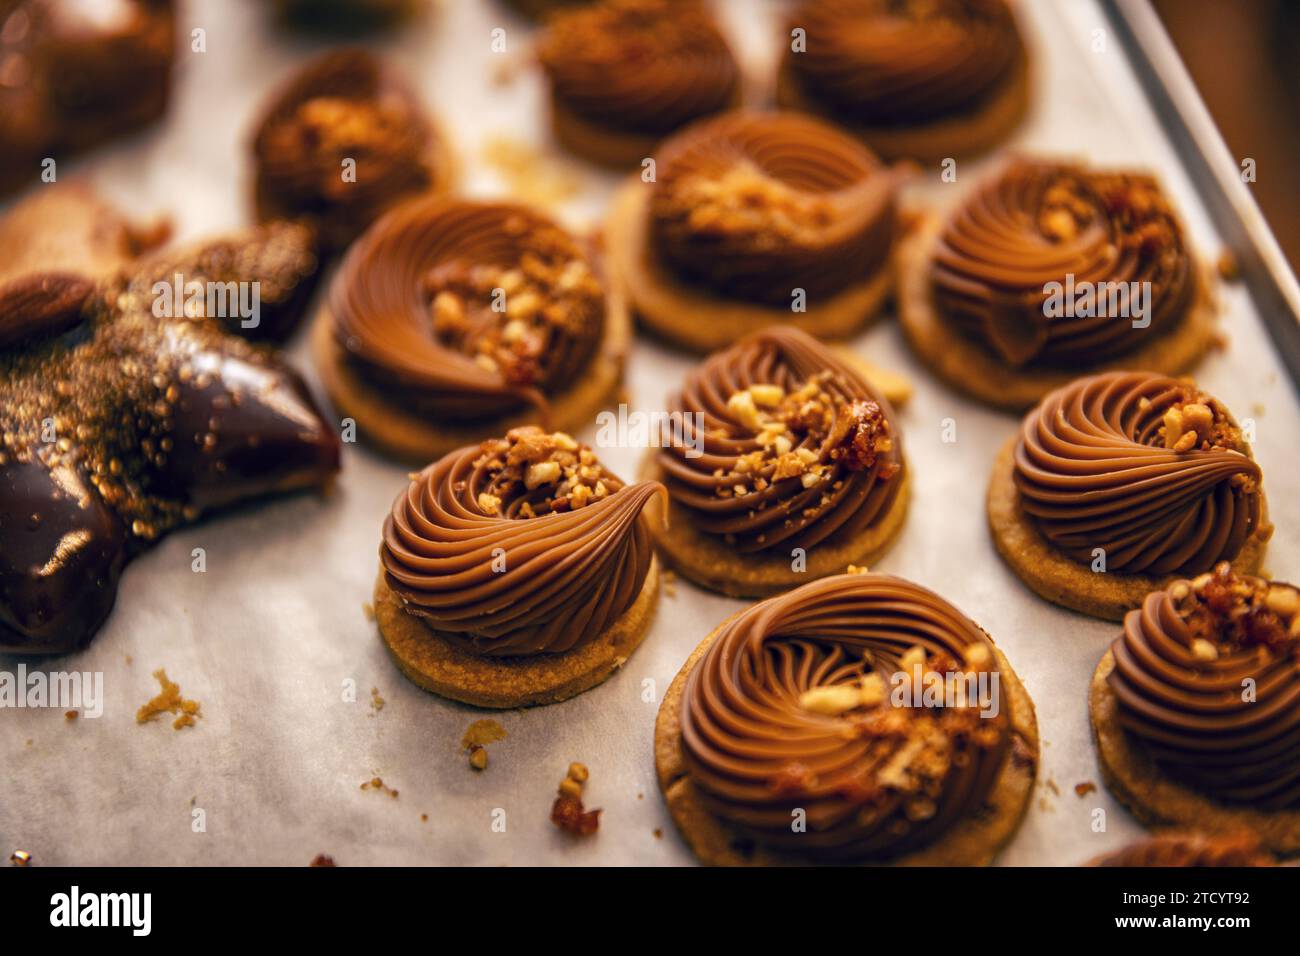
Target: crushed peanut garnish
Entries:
(1227, 612)
(515, 319)
(567, 812)
(169, 701)
(531, 472)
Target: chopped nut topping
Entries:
(531, 472)
(1226, 612)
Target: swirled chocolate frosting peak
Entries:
(813, 703)
(1054, 264)
(756, 205)
(1149, 469)
(784, 445)
(521, 545)
(467, 309)
(342, 141)
(1207, 678)
(646, 66)
(898, 62)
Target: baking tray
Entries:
(272, 635)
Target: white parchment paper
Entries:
(268, 636)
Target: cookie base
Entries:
(604, 145)
(976, 372)
(711, 564)
(972, 842)
(964, 134)
(443, 667)
(1156, 799)
(420, 440)
(1058, 578)
(691, 317)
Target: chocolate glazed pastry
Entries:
(345, 106)
(755, 220)
(626, 73)
(1120, 482)
(1189, 849)
(808, 708)
(449, 321)
(923, 80)
(72, 77)
(1051, 269)
(120, 423)
(516, 572)
(1196, 708)
(786, 466)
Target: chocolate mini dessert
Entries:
(801, 731)
(73, 76)
(344, 140)
(450, 321)
(782, 465)
(626, 73)
(755, 219)
(1119, 483)
(1048, 271)
(923, 79)
(121, 419)
(1196, 708)
(516, 572)
(1189, 849)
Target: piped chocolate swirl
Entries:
(467, 310)
(646, 66)
(342, 141)
(1207, 678)
(1146, 467)
(1053, 264)
(783, 445)
(756, 205)
(794, 707)
(885, 62)
(520, 546)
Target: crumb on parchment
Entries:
(476, 738)
(169, 700)
(567, 812)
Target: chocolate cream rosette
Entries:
(1196, 708)
(1121, 482)
(516, 572)
(799, 732)
(1049, 270)
(451, 320)
(341, 142)
(786, 465)
(626, 73)
(755, 219)
(919, 79)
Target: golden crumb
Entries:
(377, 783)
(528, 172)
(368, 610)
(1084, 788)
(376, 701)
(169, 701)
(1228, 267)
(71, 714)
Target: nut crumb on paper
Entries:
(567, 812)
(323, 859)
(476, 738)
(530, 174)
(377, 783)
(1085, 788)
(169, 700)
(376, 701)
